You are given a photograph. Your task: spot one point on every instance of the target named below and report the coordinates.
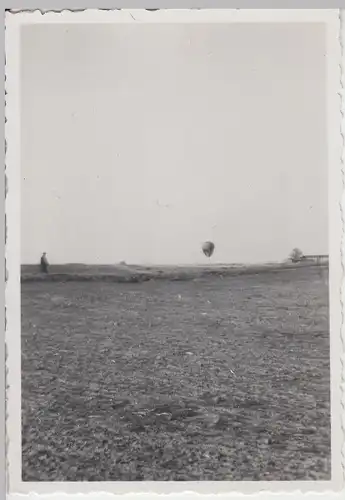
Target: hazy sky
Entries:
(139, 142)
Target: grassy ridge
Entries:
(134, 274)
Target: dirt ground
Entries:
(211, 379)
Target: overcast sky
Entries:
(139, 142)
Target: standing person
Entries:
(44, 263)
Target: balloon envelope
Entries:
(208, 248)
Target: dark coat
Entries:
(44, 264)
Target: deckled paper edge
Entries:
(140, 18)
(342, 212)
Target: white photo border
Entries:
(332, 18)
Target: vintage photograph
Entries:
(174, 252)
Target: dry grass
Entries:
(210, 379)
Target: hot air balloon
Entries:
(208, 248)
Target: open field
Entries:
(217, 378)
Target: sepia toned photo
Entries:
(176, 309)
